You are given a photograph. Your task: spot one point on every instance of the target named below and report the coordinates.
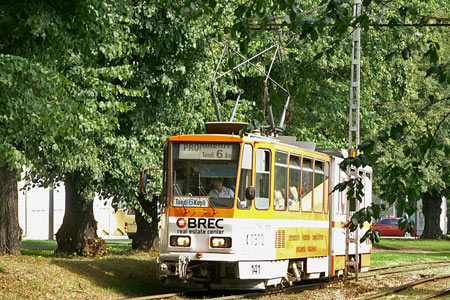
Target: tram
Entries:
(251, 212)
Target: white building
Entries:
(35, 218)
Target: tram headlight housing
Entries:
(180, 241)
(220, 242)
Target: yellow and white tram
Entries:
(252, 212)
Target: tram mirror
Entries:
(149, 183)
(250, 193)
(144, 182)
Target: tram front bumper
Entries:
(186, 266)
(200, 256)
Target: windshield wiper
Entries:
(210, 205)
(203, 193)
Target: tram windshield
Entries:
(204, 174)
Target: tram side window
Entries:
(262, 179)
(246, 177)
(318, 185)
(327, 186)
(294, 183)
(307, 182)
(279, 193)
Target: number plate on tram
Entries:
(179, 201)
(262, 269)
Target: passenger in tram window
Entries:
(220, 190)
(278, 202)
(293, 198)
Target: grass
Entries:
(39, 274)
(34, 242)
(40, 252)
(402, 251)
(121, 247)
(381, 259)
(37, 277)
(413, 244)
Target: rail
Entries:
(205, 294)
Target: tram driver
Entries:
(221, 191)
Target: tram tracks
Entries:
(199, 293)
(402, 271)
(389, 291)
(290, 289)
(440, 293)
(409, 264)
(408, 285)
(204, 294)
(155, 297)
(426, 280)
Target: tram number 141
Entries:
(255, 239)
(256, 269)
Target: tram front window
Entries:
(204, 174)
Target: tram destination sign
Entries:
(206, 151)
(181, 201)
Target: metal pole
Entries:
(216, 104)
(272, 122)
(236, 104)
(287, 88)
(26, 208)
(283, 116)
(233, 114)
(51, 212)
(353, 132)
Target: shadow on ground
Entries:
(127, 276)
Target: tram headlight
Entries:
(220, 242)
(180, 241)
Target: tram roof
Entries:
(286, 141)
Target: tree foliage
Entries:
(64, 85)
(94, 88)
(405, 79)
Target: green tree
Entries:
(170, 59)
(406, 72)
(63, 84)
(411, 155)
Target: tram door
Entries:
(246, 176)
(262, 178)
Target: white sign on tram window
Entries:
(205, 151)
(181, 201)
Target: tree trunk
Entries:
(432, 213)
(79, 224)
(10, 231)
(147, 232)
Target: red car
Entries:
(389, 227)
